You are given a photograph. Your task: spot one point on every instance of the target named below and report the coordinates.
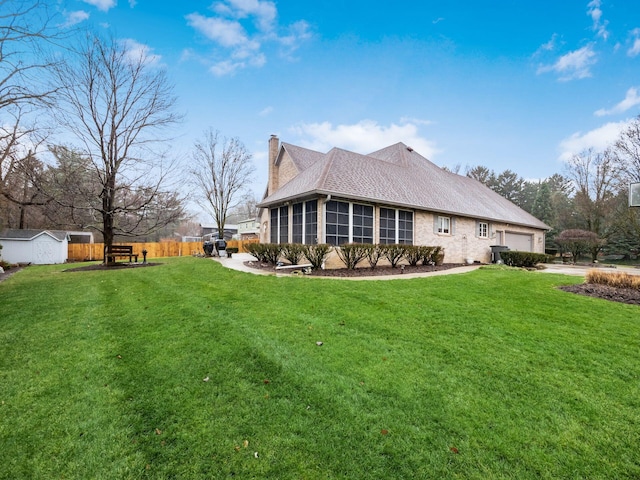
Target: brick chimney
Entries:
(274, 147)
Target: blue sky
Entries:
(508, 84)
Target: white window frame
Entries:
(483, 230)
(441, 225)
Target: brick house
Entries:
(393, 195)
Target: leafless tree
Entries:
(627, 149)
(594, 178)
(25, 27)
(119, 105)
(21, 172)
(221, 171)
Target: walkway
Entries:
(236, 262)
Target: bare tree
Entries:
(627, 149)
(21, 172)
(594, 177)
(220, 172)
(25, 26)
(118, 105)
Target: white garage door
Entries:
(519, 241)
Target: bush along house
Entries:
(393, 195)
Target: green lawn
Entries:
(491, 374)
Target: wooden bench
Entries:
(120, 251)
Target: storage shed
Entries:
(39, 247)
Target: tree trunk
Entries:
(107, 219)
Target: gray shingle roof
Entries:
(395, 176)
(29, 234)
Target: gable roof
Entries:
(30, 234)
(398, 176)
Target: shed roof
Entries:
(396, 175)
(30, 234)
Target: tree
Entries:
(578, 242)
(118, 105)
(25, 26)
(627, 150)
(20, 175)
(593, 174)
(220, 172)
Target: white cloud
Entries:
(103, 5)
(573, 65)
(240, 42)
(631, 99)
(136, 51)
(634, 50)
(73, 18)
(599, 139)
(227, 33)
(363, 137)
(594, 11)
(266, 111)
(265, 13)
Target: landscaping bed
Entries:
(362, 272)
(605, 292)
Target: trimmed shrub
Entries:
(265, 252)
(427, 255)
(394, 253)
(292, 252)
(351, 254)
(257, 250)
(272, 252)
(616, 279)
(514, 258)
(316, 254)
(412, 254)
(373, 253)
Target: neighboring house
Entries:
(34, 246)
(248, 229)
(210, 232)
(393, 195)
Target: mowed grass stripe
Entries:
(493, 374)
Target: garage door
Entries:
(519, 241)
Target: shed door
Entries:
(521, 242)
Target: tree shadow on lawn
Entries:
(109, 267)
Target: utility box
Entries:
(495, 252)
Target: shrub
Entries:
(394, 253)
(351, 254)
(316, 254)
(272, 252)
(427, 254)
(412, 254)
(616, 280)
(265, 252)
(514, 258)
(292, 252)
(373, 254)
(438, 255)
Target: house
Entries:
(210, 232)
(248, 229)
(34, 246)
(393, 195)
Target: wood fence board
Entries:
(78, 252)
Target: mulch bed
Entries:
(114, 266)
(361, 272)
(605, 292)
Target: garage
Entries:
(521, 242)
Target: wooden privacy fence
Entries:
(95, 251)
